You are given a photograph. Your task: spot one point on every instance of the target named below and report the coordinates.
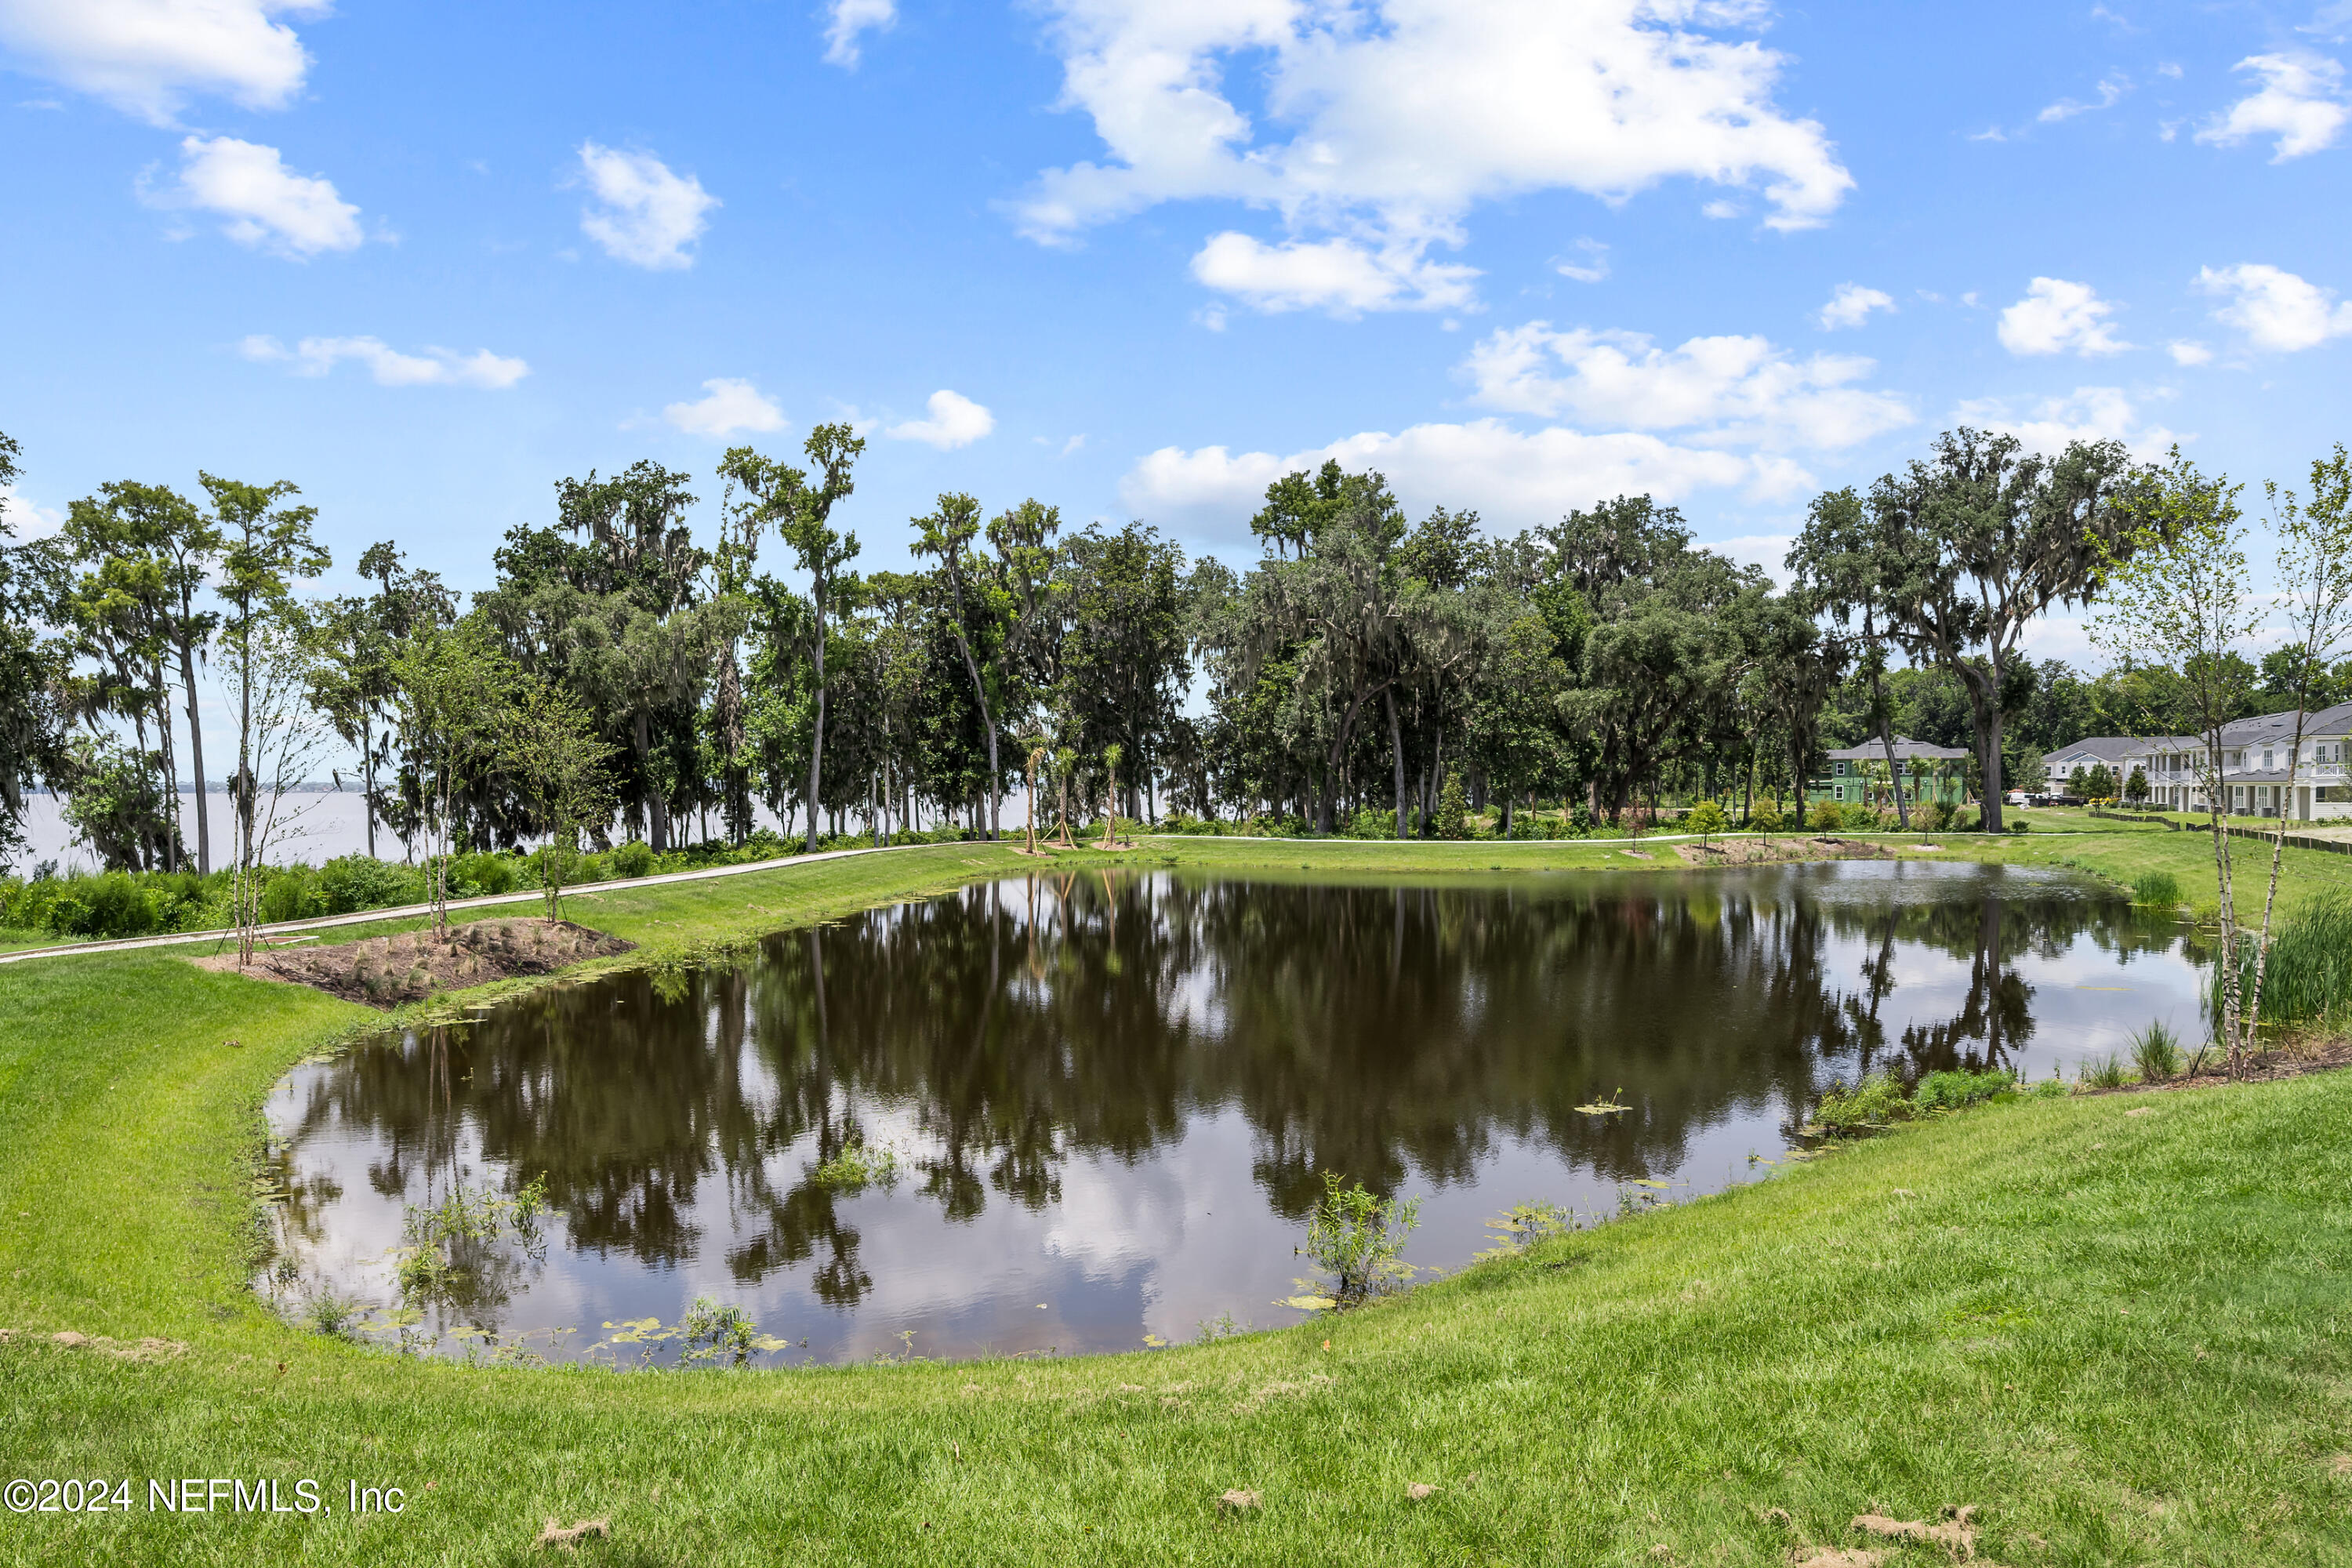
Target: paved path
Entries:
(408, 911)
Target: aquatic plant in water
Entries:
(710, 1333)
(857, 1166)
(1358, 1239)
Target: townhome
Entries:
(2259, 776)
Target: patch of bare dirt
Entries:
(1756, 852)
(149, 1349)
(386, 970)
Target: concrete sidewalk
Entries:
(409, 911)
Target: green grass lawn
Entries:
(2122, 1337)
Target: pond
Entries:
(1107, 1101)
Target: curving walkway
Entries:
(409, 911)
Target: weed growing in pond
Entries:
(710, 1334)
(1879, 1100)
(1521, 1225)
(2155, 890)
(334, 1315)
(1358, 1237)
(2107, 1074)
(1609, 1105)
(2155, 1053)
(446, 1245)
(1208, 1331)
(859, 1164)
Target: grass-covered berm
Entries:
(2118, 1328)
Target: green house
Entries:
(1858, 775)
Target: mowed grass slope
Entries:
(2122, 1337)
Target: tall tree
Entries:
(1832, 570)
(1975, 543)
(805, 522)
(2178, 587)
(32, 669)
(266, 549)
(978, 609)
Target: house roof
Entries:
(2099, 748)
(1906, 750)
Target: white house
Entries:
(2261, 778)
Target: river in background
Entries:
(325, 824)
(1112, 1097)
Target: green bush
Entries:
(1826, 817)
(354, 882)
(2157, 890)
(1880, 1099)
(2106, 1074)
(633, 860)
(2155, 1053)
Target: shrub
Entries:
(1706, 819)
(1936, 816)
(633, 860)
(1580, 821)
(1826, 817)
(1879, 1099)
(1873, 1101)
(2155, 1053)
(352, 882)
(1452, 809)
(293, 893)
(1370, 824)
(2155, 890)
(1765, 817)
(2107, 1074)
(1951, 1090)
(1360, 1239)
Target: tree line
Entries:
(628, 671)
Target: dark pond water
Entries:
(1112, 1099)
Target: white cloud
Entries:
(649, 215)
(846, 19)
(266, 203)
(1594, 270)
(955, 421)
(2111, 92)
(2059, 317)
(1335, 275)
(1851, 306)
(2276, 310)
(146, 56)
(27, 519)
(1514, 480)
(2187, 352)
(1396, 117)
(730, 404)
(2087, 413)
(2300, 103)
(389, 366)
(1729, 389)
(1768, 553)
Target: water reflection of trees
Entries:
(1369, 1030)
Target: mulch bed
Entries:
(1756, 852)
(386, 970)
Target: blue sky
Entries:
(1133, 258)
